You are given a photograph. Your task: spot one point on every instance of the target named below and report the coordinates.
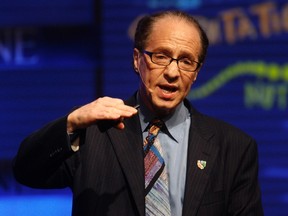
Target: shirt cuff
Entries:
(74, 141)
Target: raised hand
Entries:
(105, 108)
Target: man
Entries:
(204, 166)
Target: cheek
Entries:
(150, 75)
(188, 80)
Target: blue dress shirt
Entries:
(174, 142)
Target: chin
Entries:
(165, 108)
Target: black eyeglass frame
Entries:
(171, 60)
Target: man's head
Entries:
(145, 25)
(169, 50)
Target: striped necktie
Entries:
(156, 180)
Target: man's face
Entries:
(164, 87)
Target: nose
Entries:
(172, 71)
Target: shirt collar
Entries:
(172, 122)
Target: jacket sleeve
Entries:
(43, 159)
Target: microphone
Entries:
(149, 89)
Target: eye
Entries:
(161, 56)
(187, 61)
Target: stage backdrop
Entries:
(55, 55)
(49, 57)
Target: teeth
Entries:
(165, 91)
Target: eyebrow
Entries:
(168, 51)
(164, 50)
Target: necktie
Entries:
(156, 180)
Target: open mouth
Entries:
(168, 89)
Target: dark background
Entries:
(55, 55)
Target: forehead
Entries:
(175, 33)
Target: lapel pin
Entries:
(201, 164)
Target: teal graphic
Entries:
(271, 84)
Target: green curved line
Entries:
(272, 72)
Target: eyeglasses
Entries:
(185, 64)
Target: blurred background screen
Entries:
(55, 55)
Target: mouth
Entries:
(168, 89)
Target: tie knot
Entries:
(153, 130)
(155, 125)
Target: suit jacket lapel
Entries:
(129, 150)
(200, 147)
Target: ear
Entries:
(136, 59)
(196, 75)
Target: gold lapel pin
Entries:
(201, 164)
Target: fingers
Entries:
(112, 109)
(120, 125)
(105, 108)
